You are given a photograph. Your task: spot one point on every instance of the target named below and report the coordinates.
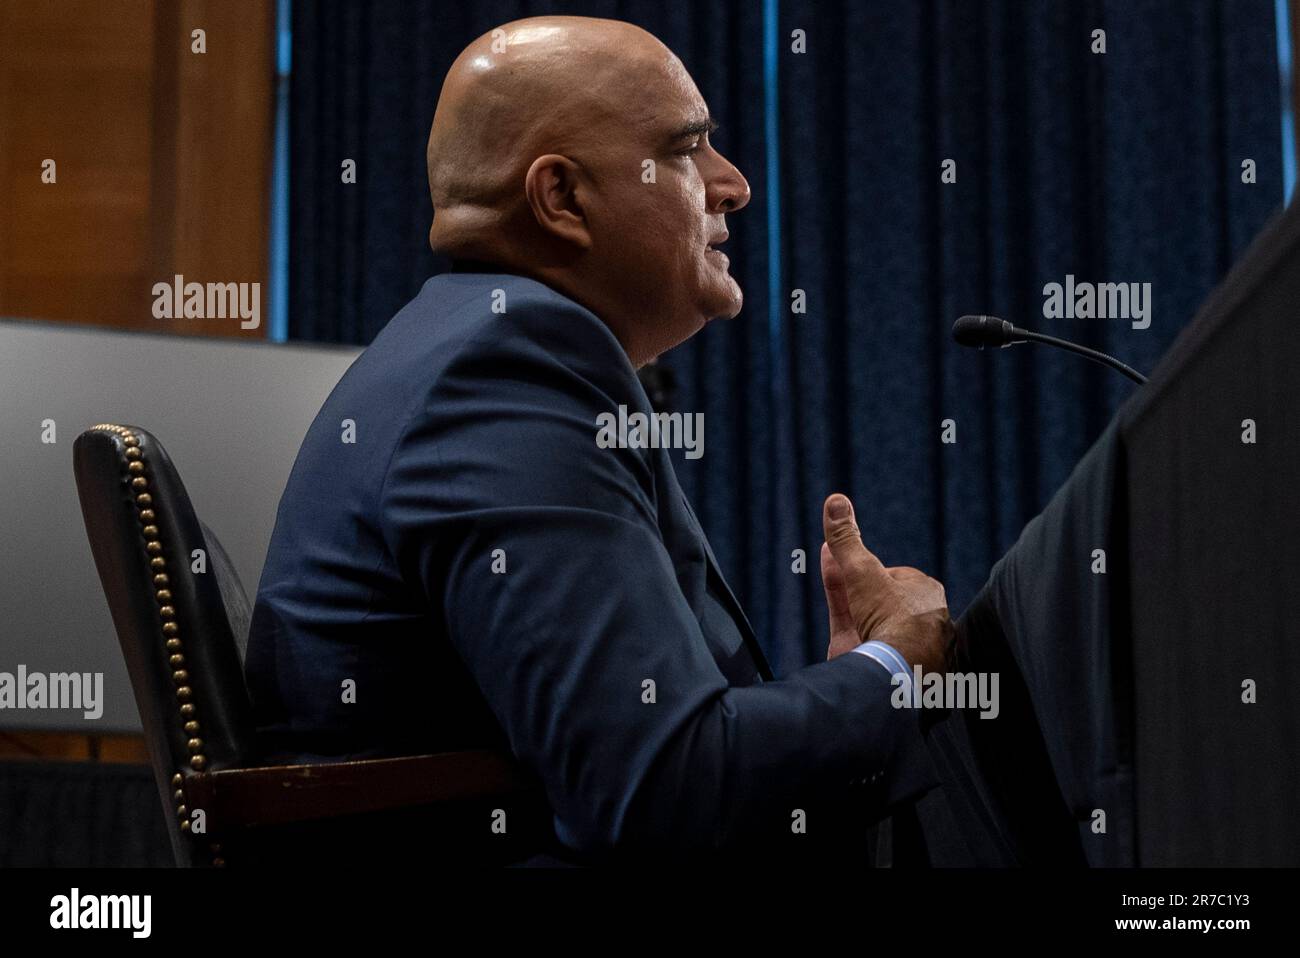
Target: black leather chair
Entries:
(183, 629)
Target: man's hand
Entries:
(899, 605)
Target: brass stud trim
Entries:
(136, 469)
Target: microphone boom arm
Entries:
(1111, 361)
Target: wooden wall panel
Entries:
(73, 80)
(73, 747)
(214, 125)
(163, 156)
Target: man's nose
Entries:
(727, 189)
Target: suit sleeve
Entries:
(541, 552)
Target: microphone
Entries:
(983, 331)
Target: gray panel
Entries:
(230, 413)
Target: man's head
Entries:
(576, 151)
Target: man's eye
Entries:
(690, 150)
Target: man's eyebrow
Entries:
(707, 125)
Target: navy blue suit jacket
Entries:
(454, 541)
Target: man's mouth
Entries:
(712, 248)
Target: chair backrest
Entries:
(173, 595)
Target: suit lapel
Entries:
(715, 572)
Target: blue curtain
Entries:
(1122, 166)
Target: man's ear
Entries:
(551, 186)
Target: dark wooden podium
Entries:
(1151, 711)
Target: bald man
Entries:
(461, 561)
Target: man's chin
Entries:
(728, 304)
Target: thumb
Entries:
(856, 562)
(837, 594)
